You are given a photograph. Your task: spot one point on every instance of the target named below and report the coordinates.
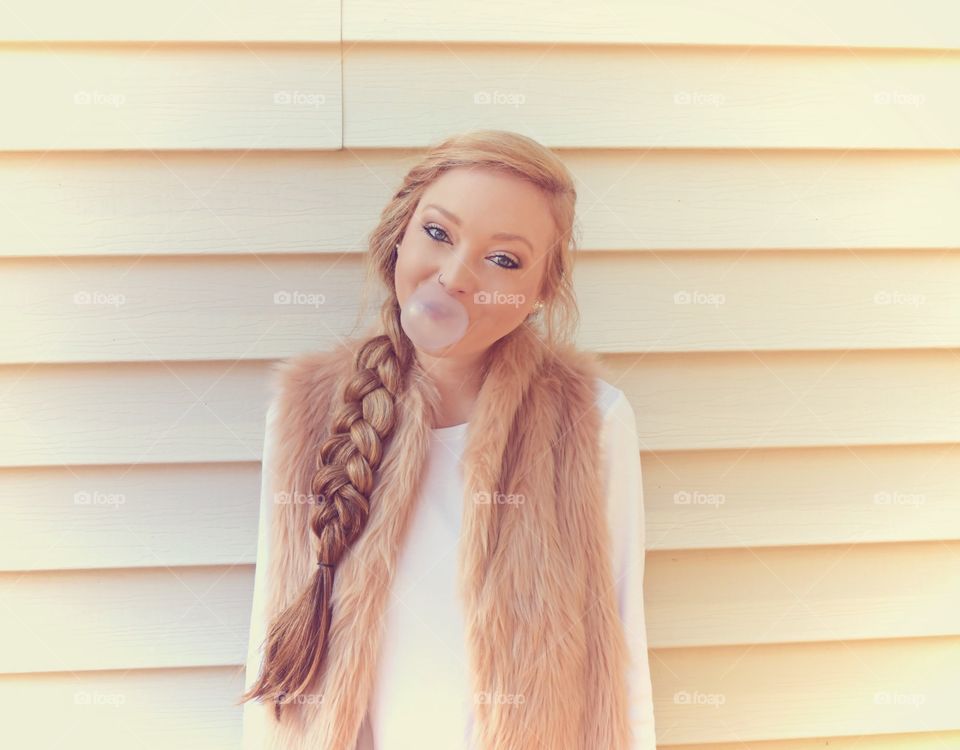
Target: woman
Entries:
(450, 548)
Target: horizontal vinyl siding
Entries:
(769, 269)
(198, 412)
(631, 200)
(926, 24)
(173, 21)
(645, 97)
(103, 310)
(144, 708)
(160, 98)
(166, 614)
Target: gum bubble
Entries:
(432, 318)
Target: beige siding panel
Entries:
(81, 517)
(925, 24)
(125, 309)
(791, 399)
(133, 413)
(205, 514)
(861, 688)
(191, 616)
(76, 517)
(176, 21)
(645, 302)
(159, 707)
(785, 691)
(307, 202)
(825, 593)
(638, 97)
(771, 497)
(237, 308)
(915, 741)
(170, 97)
(195, 412)
(117, 710)
(190, 203)
(125, 619)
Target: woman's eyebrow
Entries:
(498, 236)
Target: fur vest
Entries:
(535, 577)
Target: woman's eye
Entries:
(511, 262)
(427, 228)
(431, 228)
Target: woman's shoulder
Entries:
(610, 398)
(300, 389)
(312, 360)
(584, 363)
(307, 372)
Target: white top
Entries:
(422, 694)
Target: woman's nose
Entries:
(456, 275)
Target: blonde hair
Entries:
(364, 422)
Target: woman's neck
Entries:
(458, 381)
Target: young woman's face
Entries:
(486, 234)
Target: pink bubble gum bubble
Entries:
(432, 318)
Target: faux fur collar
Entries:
(545, 642)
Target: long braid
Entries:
(342, 486)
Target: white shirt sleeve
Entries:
(625, 516)
(254, 712)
